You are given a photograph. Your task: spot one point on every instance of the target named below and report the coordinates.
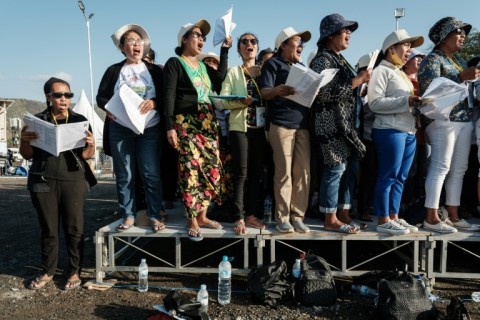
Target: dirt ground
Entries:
(19, 263)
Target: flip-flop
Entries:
(238, 227)
(124, 226)
(196, 236)
(346, 228)
(212, 225)
(40, 283)
(157, 225)
(72, 284)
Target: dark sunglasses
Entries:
(460, 32)
(246, 41)
(58, 95)
(198, 35)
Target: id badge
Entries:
(260, 116)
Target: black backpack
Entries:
(316, 286)
(270, 285)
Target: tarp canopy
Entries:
(84, 108)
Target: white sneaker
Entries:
(405, 224)
(392, 227)
(441, 227)
(463, 224)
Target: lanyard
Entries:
(410, 84)
(254, 82)
(198, 71)
(455, 63)
(55, 118)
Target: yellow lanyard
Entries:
(55, 118)
(254, 82)
(199, 71)
(455, 63)
(410, 84)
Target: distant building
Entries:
(4, 105)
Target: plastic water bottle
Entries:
(202, 297)
(364, 290)
(143, 276)
(224, 281)
(476, 296)
(297, 269)
(267, 213)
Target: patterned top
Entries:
(334, 113)
(252, 109)
(437, 64)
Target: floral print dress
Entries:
(200, 168)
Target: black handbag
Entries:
(403, 298)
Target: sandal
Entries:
(72, 284)
(212, 225)
(239, 227)
(346, 228)
(254, 222)
(125, 225)
(194, 235)
(156, 225)
(40, 282)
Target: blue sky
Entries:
(43, 38)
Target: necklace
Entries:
(254, 82)
(55, 117)
(199, 75)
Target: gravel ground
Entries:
(20, 259)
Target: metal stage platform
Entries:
(170, 250)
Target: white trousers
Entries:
(450, 142)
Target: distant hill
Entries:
(22, 106)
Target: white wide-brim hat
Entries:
(136, 28)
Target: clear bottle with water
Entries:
(297, 269)
(224, 281)
(476, 296)
(143, 276)
(364, 290)
(202, 297)
(267, 210)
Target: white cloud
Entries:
(44, 77)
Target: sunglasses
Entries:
(460, 32)
(198, 35)
(58, 95)
(246, 41)
(131, 41)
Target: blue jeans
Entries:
(395, 152)
(337, 186)
(128, 150)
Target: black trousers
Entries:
(60, 203)
(248, 153)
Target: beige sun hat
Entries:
(202, 24)
(132, 27)
(401, 36)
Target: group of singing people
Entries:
(361, 124)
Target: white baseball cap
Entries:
(288, 33)
(202, 24)
(401, 36)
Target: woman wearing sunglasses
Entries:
(57, 187)
(191, 125)
(450, 140)
(247, 135)
(127, 148)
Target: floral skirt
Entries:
(200, 168)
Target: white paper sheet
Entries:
(223, 27)
(124, 106)
(55, 139)
(307, 83)
(371, 63)
(441, 96)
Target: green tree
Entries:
(471, 48)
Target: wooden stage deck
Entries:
(170, 250)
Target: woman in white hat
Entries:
(450, 140)
(127, 148)
(191, 125)
(392, 98)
